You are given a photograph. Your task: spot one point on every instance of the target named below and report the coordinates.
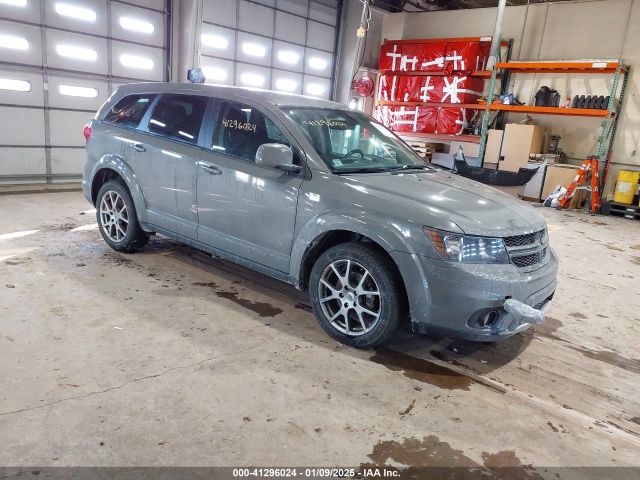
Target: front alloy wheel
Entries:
(356, 294)
(349, 297)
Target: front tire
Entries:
(117, 219)
(355, 295)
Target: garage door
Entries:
(285, 45)
(59, 61)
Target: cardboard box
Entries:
(559, 174)
(494, 145)
(470, 149)
(519, 141)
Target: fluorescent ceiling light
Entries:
(15, 43)
(317, 63)
(80, 53)
(73, 11)
(158, 122)
(214, 73)
(287, 56)
(252, 79)
(134, 61)
(315, 89)
(214, 41)
(74, 91)
(136, 25)
(14, 3)
(185, 134)
(15, 85)
(254, 49)
(286, 84)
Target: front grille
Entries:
(522, 240)
(526, 260)
(527, 250)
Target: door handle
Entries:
(138, 147)
(210, 168)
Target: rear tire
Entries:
(356, 295)
(117, 219)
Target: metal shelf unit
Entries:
(610, 116)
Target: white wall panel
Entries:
(22, 161)
(33, 97)
(247, 42)
(246, 72)
(221, 12)
(284, 54)
(119, 11)
(322, 12)
(57, 39)
(299, 7)
(33, 54)
(290, 28)
(316, 86)
(318, 62)
(25, 128)
(284, 81)
(155, 55)
(218, 41)
(321, 36)
(67, 127)
(97, 26)
(59, 100)
(255, 18)
(67, 160)
(268, 3)
(28, 13)
(217, 71)
(155, 4)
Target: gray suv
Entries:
(314, 194)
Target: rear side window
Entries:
(130, 109)
(178, 117)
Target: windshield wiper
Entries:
(361, 170)
(404, 168)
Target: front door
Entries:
(246, 209)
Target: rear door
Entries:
(169, 154)
(246, 209)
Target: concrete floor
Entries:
(168, 357)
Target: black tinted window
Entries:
(130, 109)
(178, 117)
(241, 129)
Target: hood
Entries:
(475, 208)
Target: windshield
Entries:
(350, 142)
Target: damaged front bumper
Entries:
(476, 302)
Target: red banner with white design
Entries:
(430, 88)
(419, 119)
(437, 57)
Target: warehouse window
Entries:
(73, 11)
(178, 117)
(15, 85)
(14, 43)
(129, 111)
(75, 91)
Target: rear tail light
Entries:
(87, 132)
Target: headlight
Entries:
(462, 248)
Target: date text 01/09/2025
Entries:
(321, 472)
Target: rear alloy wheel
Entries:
(116, 215)
(355, 295)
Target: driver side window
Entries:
(240, 129)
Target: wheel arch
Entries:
(111, 167)
(318, 242)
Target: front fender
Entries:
(119, 165)
(390, 235)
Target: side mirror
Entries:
(277, 155)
